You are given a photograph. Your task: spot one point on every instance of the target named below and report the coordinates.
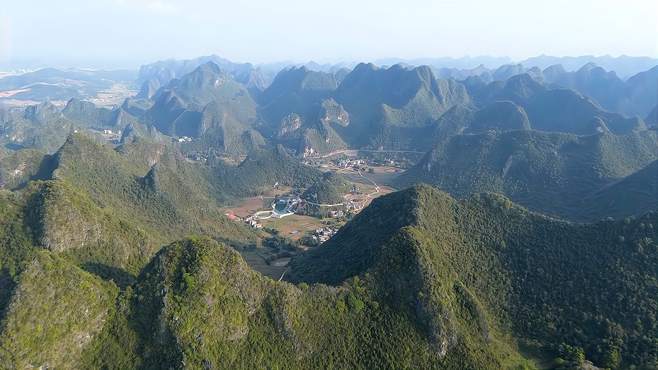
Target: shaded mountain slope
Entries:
(652, 118)
(207, 104)
(296, 90)
(546, 281)
(417, 280)
(256, 322)
(155, 75)
(300, 113)
(560, 110)
(641, 92)
(117, 207)
(635, 194)
(590, 80)
(55, 331)
(547, 172)
(386, 103)
(501, 115)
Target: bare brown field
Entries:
(289, 224)
(248, 206)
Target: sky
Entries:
(131, 32)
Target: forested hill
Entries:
(556, 286)
(552, 173)
(418, 279)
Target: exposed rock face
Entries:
(289, 125)
(332, 112)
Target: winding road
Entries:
(354, 152)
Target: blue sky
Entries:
(137, 31)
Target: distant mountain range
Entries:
(549, 139)
(535, 245)
(625, 66)
(554, 173)
(158, 74)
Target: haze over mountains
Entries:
(534, 245)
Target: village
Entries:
(292, 224)
(281, 202)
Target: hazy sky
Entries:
(135, 31)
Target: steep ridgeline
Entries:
(300, 112)
(559, 110)
(156, 75)
(484, 270)
(417, 280)
(18, 167)
(634, 97)
(42, 127)
(198, 305)
(604, 87)
(394, 107)
(113, 208)
(624, 65)
(633, 195)
(641, 92)
(552, 173)
(45, 126)
(652, 118)
(210, 104)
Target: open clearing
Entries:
(289, 224)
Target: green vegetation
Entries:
(199, 305)
(330, 189)
(262, 169)
(119, 257)
(394, 107)
(547, 283)
(18, 167)
(55, 312)
(552, 173)
(205, 99)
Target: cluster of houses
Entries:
(337, 213)
(113, 136)
(355, 205)
(184, 139)
(308, 152)
(253, 222)
(350, 163)
(323, 234)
